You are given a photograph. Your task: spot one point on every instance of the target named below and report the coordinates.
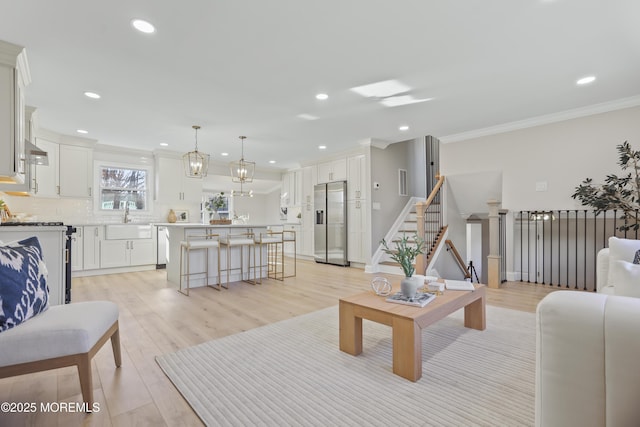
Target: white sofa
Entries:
(588, 350)
(615, 273)
(587, 356)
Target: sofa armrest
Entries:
(602, 269)
(587, 353)
(570, 380)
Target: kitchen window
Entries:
(123, 187)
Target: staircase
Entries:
(419, 217)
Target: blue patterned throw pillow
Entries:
(23, 282)
(636, 259)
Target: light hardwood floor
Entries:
(156, 319)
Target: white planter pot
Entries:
(410, 285)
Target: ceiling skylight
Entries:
(92, 95)
(381, 89)
(143, 26)
(586, 80)
(403, 128)
(306, 116)
(82, 131)
(322, 147)
(322, 96)
(396, 101)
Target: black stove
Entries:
(34, 223)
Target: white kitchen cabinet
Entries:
(172, 185)
(52, 240)
(14, 77)
(75, 168)
(291, 189)
(45, 179)
(357, 184)
(92, 236)
(335, 170)
(290, 246)
(357, 225)
(77, 251)
(126, 253)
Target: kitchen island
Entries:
(178, 232)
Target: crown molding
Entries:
(590, 110)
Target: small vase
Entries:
(172, 216)
(409, 286)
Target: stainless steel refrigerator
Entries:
(330, 226)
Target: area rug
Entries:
(292, 373)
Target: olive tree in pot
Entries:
(617, 193)
(405, 254)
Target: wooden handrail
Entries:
(434, 192)
(458, 258)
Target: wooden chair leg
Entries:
(115, 344)
(86, 383)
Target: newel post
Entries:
(494, 258)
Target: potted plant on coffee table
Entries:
(405, 253)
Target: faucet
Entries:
(126, 214)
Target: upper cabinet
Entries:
(335, 170)
(45, 180)
(172, 185)
(14, 77)
(76, 167)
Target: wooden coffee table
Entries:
(406, 322)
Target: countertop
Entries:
(200, 225)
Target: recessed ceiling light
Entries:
(92, 95)
(164, 144)
(322, 147)
(82, 131)
(224, 154)
(403, 128)
(586, 80)
(272, 161)
(381, 89)
(143, 26)
(322, 96)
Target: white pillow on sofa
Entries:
(621, 250)
(625, 276)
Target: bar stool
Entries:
(289, 236)
(275, 254)
(206, 242)
(241, 240)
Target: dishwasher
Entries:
(161, 261)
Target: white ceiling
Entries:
(241, 67)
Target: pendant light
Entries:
(196, 164)
(242, 171)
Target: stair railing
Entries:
(459, 261)
(429, 217)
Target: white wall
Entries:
(561, 154)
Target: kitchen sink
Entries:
(128, 231)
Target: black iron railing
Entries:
(559, 247)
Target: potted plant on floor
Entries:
(405, 254)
